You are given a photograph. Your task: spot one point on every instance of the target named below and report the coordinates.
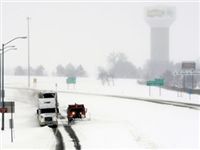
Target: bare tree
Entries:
(120, 67)
(80, 72)
(60, 70)
(70, 70)
(19, 71)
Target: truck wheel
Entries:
(55, 126)
(41, 125)
(69, 120)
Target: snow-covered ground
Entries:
(27, 133)
(125, 124)
(113, 123)
(125, 87)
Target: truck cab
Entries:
(47, 111)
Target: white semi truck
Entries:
(47, 112)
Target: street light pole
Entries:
(28, 35)
(2, 77)
(10, 48)
(2, 88)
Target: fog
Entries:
(87, 32)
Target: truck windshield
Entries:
(47, 95)
(48, 110)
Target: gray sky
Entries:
(85, 33)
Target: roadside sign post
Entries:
(188, 66)
(3, 110)
(159, 82)
(12, 122)
(71, 80)
(149, 90)
(190, 92)
(155, 82)
(192, 80)
(8, 107)
(11, 127)
(149, 83)
(185, 73)
(159, 90)
(179, 93)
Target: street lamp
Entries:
(8, 48)
(2, 92)
(28, 39)
(19, 37)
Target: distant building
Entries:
(159, 19)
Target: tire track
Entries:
(60, 144)
(73, 136)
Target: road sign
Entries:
(3, 110)
(71, 80)
(190, 91)
(156, 82)
(159, 82)
(9, 107)
(150, 83)
(188, 65)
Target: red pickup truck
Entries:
(76, 111)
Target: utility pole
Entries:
(2, 76)
(28, 36)
(2, 86)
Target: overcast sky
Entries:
(85, 33)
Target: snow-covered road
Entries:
(112, 123)
(134, 124)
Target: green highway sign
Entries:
(71, 80)
(155, 82)
(159, 82)
(150, 83)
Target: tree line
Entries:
(38, 71)
(68, 70)
(118, 66)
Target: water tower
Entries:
(159, 19)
